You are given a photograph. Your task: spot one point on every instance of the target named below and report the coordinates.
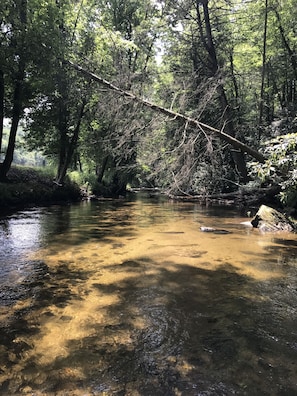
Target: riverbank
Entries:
(36, 186)
(28, 186)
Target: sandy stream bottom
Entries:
(160, 309)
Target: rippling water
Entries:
(131, 298)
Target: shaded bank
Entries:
(27, 186)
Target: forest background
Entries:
(218, 67)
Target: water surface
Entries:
(131, 298)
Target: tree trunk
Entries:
(263, 64)
(1, 108)
(207, 41)
(17, 96)
(174, 116)
(234, 81)
(102, 170)
(68, 151)
(286, 43)
(62, 127)
(16, 114)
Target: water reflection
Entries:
(130, 298)
(17, 236)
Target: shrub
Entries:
(280, 167)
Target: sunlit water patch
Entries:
(131, 298)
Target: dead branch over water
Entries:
(174, 115)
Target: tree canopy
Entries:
(226, 69)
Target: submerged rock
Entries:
(269, 220)
(214, 230)
(246, 224)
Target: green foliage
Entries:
(34, 186)
(21, 155)
(281, 166)
(119, 41)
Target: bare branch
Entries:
(177, 116)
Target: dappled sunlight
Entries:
(172, 239)
(145, 303)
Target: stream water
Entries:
(131, 298)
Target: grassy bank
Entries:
(30, 186)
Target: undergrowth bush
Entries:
(35, 186)
(280, 167)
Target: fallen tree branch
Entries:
(243, 197)
(176, 116)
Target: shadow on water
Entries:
(182, 330)
(150, 327)
(44, 288)
(191, 344)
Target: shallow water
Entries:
(131, 298)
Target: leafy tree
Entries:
(61, 97)
(33, 43)
(280, 167)
(14, 57)
(225, 42)
(269, 91)
(216, 62)
(128, 31)
(194, 74)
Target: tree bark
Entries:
(207, 41)
(17, 97)
(175, 116)
(263, 64)
(1, 108)
(62, 124)
(286, 43)
(16, 115)
(68, 151)
(102, 169)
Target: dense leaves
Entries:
(281, 166)
(229, 64)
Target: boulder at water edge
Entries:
(268, 219)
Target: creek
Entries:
(129, 297)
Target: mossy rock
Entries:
(268, 219)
